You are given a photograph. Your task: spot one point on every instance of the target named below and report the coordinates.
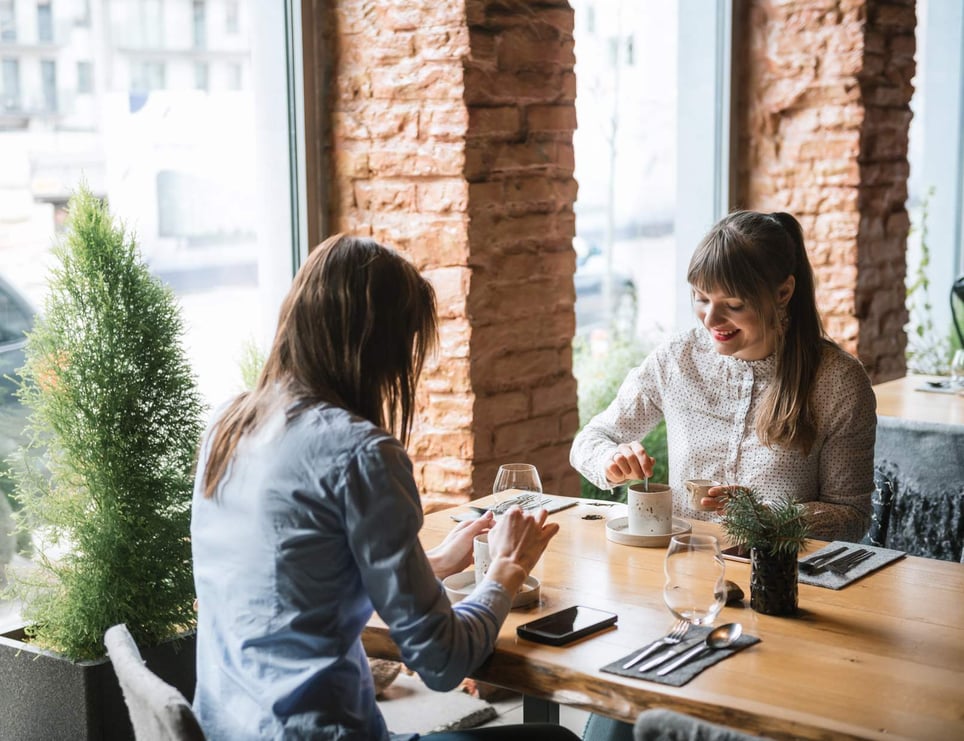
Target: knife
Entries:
(670, 653)
(693, 653)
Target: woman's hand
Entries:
(630, 461)
(716, 497)
(516, 543)
(454, 553)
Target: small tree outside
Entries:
(115, 416)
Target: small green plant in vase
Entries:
(773, 532)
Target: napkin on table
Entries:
(683, 674)
(881, 557)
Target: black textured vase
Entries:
(773, 583)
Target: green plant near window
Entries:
(599, 377)
(928, 351)
(115, 416)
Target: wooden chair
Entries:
(159, 712)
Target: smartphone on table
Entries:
(567, 625)
(736, 553)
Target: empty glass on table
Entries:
(695, 588)
(515, 480)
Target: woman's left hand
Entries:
(454, 553)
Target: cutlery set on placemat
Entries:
(838, 560)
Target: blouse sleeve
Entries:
(442, 643)
(846, 464)
(635, 411)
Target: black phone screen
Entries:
(566, 625)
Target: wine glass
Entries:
(695, 589)
(957, 370)
(514, 479)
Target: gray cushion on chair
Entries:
(158, 711)
(665, 725)
(923, 464)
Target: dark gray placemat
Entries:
(830, 580)
(683, 674)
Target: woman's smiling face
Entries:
(737, 330)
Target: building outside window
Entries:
(48, 77)
(232, 17)
(204, 181)
(11, 86)
(85, 77)
(8, 21)
(201, 75)
(199, 21)
(45, 22)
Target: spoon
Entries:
(722, 636)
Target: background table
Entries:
(882, 658)
(919, 470)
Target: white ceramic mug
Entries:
(650, 512)
(699, 488)
(480, 553)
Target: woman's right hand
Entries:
(629, 461)
(516, 542)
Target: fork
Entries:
(674, 636)
(852, 561)
(837, 563)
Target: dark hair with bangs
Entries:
(749, 255)
(354, 330)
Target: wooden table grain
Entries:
(881, 658)
(901, 398)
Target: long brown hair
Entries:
(749, 255)
(354, 331)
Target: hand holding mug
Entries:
(629, 461)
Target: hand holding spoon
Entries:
(722, 636)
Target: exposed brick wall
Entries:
(824, 90)
(451, 139)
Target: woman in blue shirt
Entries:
(306, 518)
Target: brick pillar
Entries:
(451, 139)
(823, 101)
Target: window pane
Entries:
(625, 149)
(194, 175)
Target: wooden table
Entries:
(881, 658)
(900, 398)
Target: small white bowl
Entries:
(461, 585)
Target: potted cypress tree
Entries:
(773, 533)
(114, 422)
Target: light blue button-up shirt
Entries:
(315, 526)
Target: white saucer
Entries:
(459, 586)
(617, 531)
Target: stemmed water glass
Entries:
(695, 589)
(514, 479)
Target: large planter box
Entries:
(45, 697)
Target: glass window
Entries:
(48, 77)
(85, 77)
(201, 75)
(11, 85)
(936, 185)
(232, 17)
(625, 151)
(198, 8)
(8, 21)
(205, 182)
(234, 73)
(45, 22)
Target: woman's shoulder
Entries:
(334, 427)
(841, 375)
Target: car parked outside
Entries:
(590, 280)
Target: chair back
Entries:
(659, 724)
(159, 712)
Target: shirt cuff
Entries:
(494, 597)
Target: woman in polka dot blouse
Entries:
(756, 395)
